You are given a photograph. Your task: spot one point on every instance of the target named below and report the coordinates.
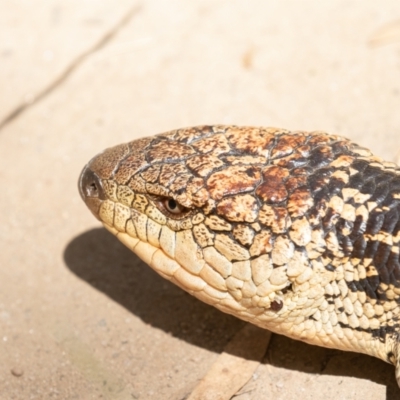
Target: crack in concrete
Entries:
(104, 40)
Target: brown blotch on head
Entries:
(233, 180)
(273, 189)
(286, 144)
(167, 150)
(105, 163)
(241, 208)
(252, 140)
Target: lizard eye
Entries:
(172, 208)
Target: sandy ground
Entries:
(80, 316)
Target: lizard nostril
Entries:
(91, 190)
(90, 185)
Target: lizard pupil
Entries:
(172, 205)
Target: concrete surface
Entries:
(80, 316)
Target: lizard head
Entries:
(223, 212)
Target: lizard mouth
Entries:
(171, 269)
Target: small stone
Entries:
(279, 384)
(17, 372)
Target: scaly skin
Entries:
(296, 232)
